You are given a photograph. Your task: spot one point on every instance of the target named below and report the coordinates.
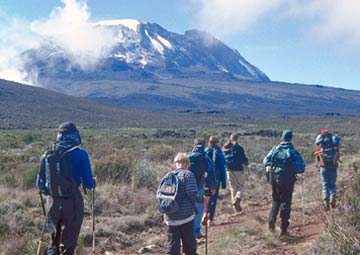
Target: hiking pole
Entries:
(302, 199)
(205, 221)
(44, 226)
(93, 220)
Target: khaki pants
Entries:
(236, 185)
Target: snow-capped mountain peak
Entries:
(129, 23)
(149, 49)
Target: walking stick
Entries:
(302, 200)
(93, 220)
(44, 226)
(204, 221)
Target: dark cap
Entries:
(67, 128)
(287, 135)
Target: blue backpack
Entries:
(327, 143)
(167, 194)
(282, 159)
(198, 166)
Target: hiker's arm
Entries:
(221, 166)
(299, 162)
(243, 158)
(211, 174)
(191, 188)
(86, 175)
(267, 159)
(40, 179)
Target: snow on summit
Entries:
(129, 23)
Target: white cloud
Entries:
(326, 20)
(229, 17)
(68, 27)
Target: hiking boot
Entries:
(284, 233)
(236, 205)
(211, 223)
(199, 236)
(272, 226)
(326, 206)
(333, 202)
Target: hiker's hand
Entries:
(267, 168)
(212, 191)
(96, 181)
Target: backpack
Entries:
(282, 159)
(55, 176)
(198, 167)
(232, 159)
(167, 193)
(328, 153)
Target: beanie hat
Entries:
(287, 135)
(67, 128)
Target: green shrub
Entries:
(28, 177)
(28, 138)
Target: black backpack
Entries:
(55, 176)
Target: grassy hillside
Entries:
(30, 107)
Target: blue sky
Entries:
(297, 41)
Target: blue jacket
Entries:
(210, 169)
(217, 157)
(238, 153)
(299, 163)
(81, 169)
(187, 194)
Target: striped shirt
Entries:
(187, 195)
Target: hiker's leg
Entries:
(198, 218)
(325, 181)
(173, 244)
(275, 206)
(73, 215)
(188, 238)
(212, 203)
(240, 177)
(286, 197)
(332, 173)
(54, 214)
(231, 180)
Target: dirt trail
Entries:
(247, 232)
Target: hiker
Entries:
(179, 218)
(282, 164)
(64, 202)
(235, 159)
(203, 169)
(213, 151)
(328, 155)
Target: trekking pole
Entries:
(93, 220)
(205, 221)
(302, 199)
(44, 226)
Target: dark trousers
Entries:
(212, 202)
(182, 233)
(66, 217)
(282, 190)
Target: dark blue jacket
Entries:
(217, 156)
(81, 168)
(240, 156)
(210, 169)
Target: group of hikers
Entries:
(187, 195)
